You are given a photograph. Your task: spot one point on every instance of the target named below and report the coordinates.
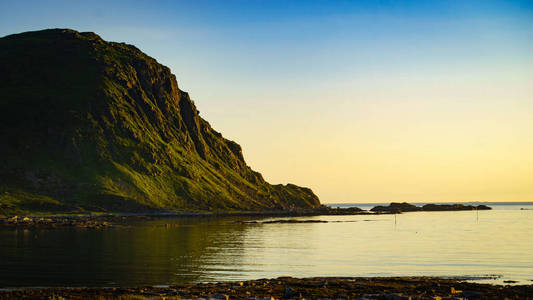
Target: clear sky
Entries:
(362, 101)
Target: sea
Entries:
(494, 246)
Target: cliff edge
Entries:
(90, 125)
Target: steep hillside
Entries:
(87, 124)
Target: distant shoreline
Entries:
(346, 204)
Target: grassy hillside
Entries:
(92, 125)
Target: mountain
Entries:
(91, 125)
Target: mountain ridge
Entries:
(96, 125)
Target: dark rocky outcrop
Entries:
(406, 207)
(87, 124)
(451, 207)
(395, 207)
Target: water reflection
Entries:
(155, 252)
(192, 250)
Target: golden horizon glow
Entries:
(413, 140)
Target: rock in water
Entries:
(396, 207)
(96, 125)
(406, 207)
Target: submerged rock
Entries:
(293, 221)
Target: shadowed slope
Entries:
(92, 124)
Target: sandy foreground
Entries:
(293, 288)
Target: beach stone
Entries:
(370, 296)
(218, 296)
(396, 296)
(471, 294)
(289, 293)
(340, 296)
(454, 291)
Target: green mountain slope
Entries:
(87, 124)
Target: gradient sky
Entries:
(362, 101)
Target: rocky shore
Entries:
(293, 288)
(100, 221)
(96, 222)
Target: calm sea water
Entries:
(162, 252)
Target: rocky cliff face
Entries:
(90, 124)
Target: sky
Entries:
(362, 101)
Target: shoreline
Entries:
(111, 219)
(291, 288)
(107, 219)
